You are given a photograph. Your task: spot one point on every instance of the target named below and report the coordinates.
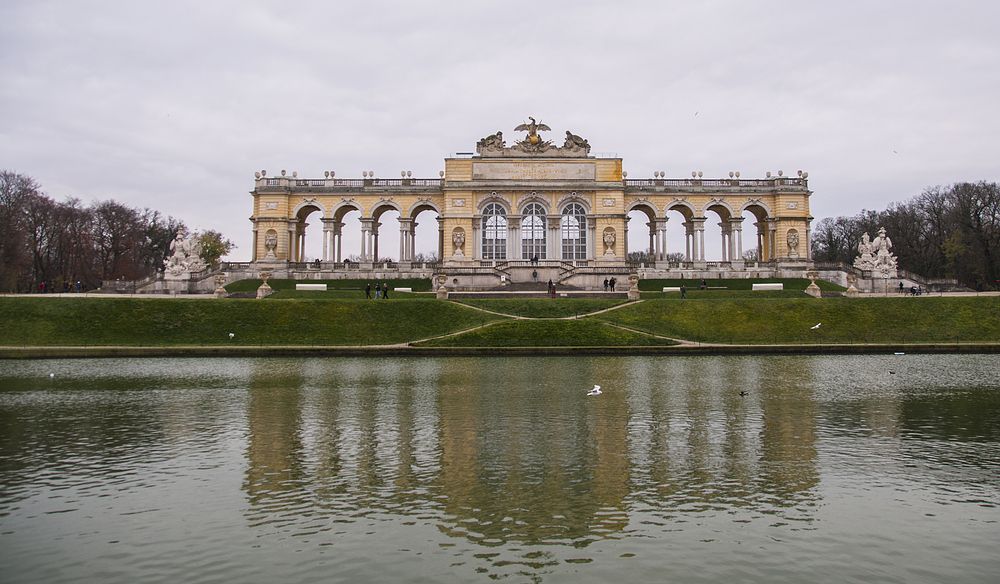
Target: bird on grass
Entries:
(744, 393)
(595, 391)
(815, 327)
(231, 335)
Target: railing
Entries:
(351, 182)
(655, 183)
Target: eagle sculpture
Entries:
(532, 129)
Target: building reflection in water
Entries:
(500, 450)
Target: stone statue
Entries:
(271, 242)
(458, 240)
(532, 129)
(491, 144)
(875, 255)
(885, 262)
(574, 142)
(793, 244)
(183, 258)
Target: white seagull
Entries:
(231, 335)
(815, 327)
(595, 391)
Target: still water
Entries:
(837, 469)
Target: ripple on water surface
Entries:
(262, 470)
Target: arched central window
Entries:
(574, 232)
(533, 231)
(494, 232)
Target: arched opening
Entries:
(641, 234)
(494, 230)
(573, 232)
(719, 241)
(308, 242)
(680, 234)
(385, 236)
(756, 244)
(346, 235)
(533, 229)
(426, 238)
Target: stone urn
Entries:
(442, 292)
(633, 286)
(220, 281)
(813, 290)
(852, 292)
(264, 291)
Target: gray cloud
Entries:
(175, 105)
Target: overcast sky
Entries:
(173, 105)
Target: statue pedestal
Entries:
(264, 291)
(814, 291)
(851, 292)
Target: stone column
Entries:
(688, 230)
(327, 237)
(699, 233)
(555, 236)
(293, 240)
(440, 254)
(338, 239)
(514, 238)
(405, 233)
(726, 255)
(660, 250)
(366, 240)
(772, 228)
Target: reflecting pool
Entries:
(829, 469)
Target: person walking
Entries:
(900, 286)
(385, 291)
(368, 290)
(605, 284)
(683, 291)
(378, 290)
(612, 281)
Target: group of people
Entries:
(67, 287)
(914, 290)
(381, 290)
(610, 282)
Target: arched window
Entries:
(574, 232)
(533, 231)
(494, 232)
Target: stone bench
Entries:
(402, 290)
(671, 288)
(310, 286)
(769, 286)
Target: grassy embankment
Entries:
(705, 316)
(166, 322)
(347, 289)
(732, 288)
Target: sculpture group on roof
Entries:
(532, 144)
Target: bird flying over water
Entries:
(595, 391)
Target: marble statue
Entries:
(183, 260)
(875, 255)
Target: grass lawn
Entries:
(844, 320)
(736, 284)
(164, 322)
(548, 333)
(354, 288)
(543, 307)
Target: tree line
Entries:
(51, 245)
(944, 232)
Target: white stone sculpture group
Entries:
(184, 252)
(875, 255)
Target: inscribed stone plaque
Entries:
(534, 171)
